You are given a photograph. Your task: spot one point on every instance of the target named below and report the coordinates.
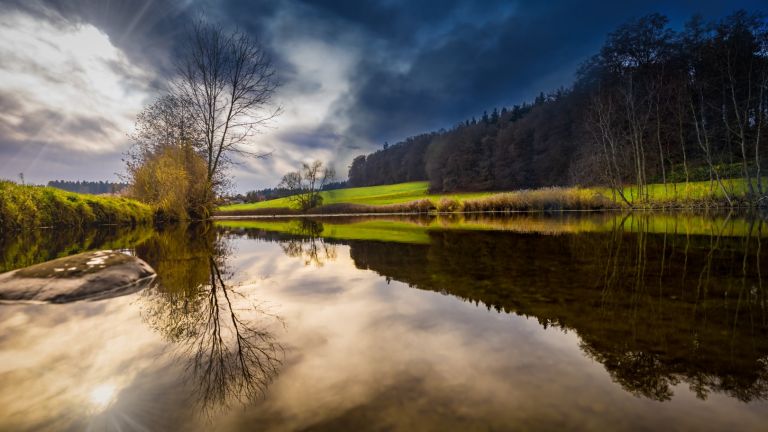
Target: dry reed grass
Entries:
(545, 199)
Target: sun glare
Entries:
(103, 395)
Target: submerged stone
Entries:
(86, 276)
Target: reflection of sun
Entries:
(102, 395)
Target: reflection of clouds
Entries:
(52, 364)
(369, 356)
(98, 365)
(375, 355)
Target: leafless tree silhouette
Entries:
(220, 334)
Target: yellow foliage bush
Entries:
(173, 182)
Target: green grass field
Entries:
(693, 191)
(670, 194)
(371, 195)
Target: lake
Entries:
(534, 322)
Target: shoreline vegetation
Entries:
(416, 229)
(413, 197)
(27, 207)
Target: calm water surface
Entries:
(591, 322)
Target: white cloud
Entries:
(316, 80)
(69, 96)
(74, 90)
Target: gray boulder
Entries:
(86, 276)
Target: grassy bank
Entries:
(414, 198)
(24, 207)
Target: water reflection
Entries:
(308, 245)
(505, 320)
(654, 308)
(32, 247)
(217, 334)
(215, 329)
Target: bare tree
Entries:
(305, 184)
(165, 123)
(167, 158)
(601, 121)
(227, 80)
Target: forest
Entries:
(89, 187)
(654, 105)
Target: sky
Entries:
(75, 73)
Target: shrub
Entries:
(448, 205)
(173, 183)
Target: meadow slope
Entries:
(404, 197)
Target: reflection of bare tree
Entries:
(230, 354)
(683, 333)
(231, 358)
(309, 246)
(659, 302)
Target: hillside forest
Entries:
(654, 105)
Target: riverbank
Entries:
(27, 207)
(414, 198)
(417, 229)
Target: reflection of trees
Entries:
(35, 246)
(232, 359)
(687, 331)
(656, 309)
(305, 242)
(218, 331)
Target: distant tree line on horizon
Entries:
(267, 194)
(88, 187)
(653, 105)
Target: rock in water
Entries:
(86, 276)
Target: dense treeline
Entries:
(402, 162)
(654, 105)
(259, 195)
(90, 187)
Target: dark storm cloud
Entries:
(460, 57)
(409, 66)
(476, 65)
(321, 137)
